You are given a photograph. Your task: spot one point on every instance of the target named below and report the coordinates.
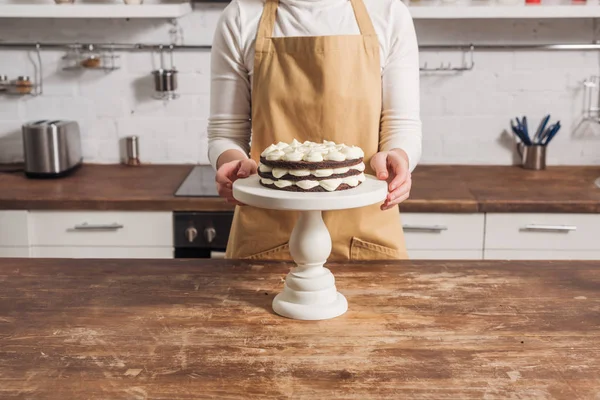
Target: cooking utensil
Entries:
(552, 133)
(541, 130)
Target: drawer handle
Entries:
(88, 227)
(425, 228)
(549, 228)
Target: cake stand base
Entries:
(309, 292)
(308, 312)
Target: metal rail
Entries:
(179, 47)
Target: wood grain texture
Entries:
(460, 189)
(513, 189)
(106, 187)
(181, 329)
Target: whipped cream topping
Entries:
(329, 185)
(312, 151)
(320, 173)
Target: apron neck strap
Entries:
(266, 25)
(267, 22)
(362, 18)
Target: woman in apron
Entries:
(340, 70)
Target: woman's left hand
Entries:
(392, 166)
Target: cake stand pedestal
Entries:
(309, 292)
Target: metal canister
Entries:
(132, 148)
(165, 80)
(533, 157)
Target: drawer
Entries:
(13, 228)
(542, 255)
(443, 231)
(445, 254)
(542, 231)
(14, 252)
(102, 252)
(99, 228)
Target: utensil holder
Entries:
(532, 157)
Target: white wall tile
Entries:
(465, 115)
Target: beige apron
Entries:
(315, 88)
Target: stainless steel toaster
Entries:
(52, 148)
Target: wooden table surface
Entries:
(192, 329)
(463, 189)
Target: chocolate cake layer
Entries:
(288, 177)
(310, 165)
(295, 188)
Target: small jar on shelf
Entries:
(23, 85)
(4, 84)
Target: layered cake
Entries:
(311, 167)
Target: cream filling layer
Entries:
(320, 173)
(312, 151)
(328, 184)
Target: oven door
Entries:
(201, 234)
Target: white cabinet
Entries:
(542, 236)
(101, 228)
(14, 234)
(101, 234)
(443, 236)
(12, 252)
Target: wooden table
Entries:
(175, 329)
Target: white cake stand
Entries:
(309, 291)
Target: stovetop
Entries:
(200, 182)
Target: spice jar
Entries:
(3, 83)
(23, 85)
(91, 59)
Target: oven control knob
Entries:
(191, 233)
(210, 234)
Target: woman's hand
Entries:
(231, 171)
(392, 166)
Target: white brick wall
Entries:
(465, 115)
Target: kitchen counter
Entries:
(463, 189)
(188, 329)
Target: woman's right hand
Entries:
(231, 171)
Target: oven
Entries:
(201, 234)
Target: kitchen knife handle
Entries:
(425, 228)
(88, 227)
(549, 228)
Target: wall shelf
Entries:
(167, 10)
(516, 12)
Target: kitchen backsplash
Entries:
(465, 115)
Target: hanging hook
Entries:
(40, 78)
(171, 57)
(162, 58)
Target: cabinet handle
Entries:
(549, 228)
(425, 228)
(87, 227)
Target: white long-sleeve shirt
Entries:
(232, 66)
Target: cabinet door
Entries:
(548, 232)
(541, 255)
(445, 254)
(14, 252)
(102, 252)
(435, 231)
(102, 228)
(14, 228)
